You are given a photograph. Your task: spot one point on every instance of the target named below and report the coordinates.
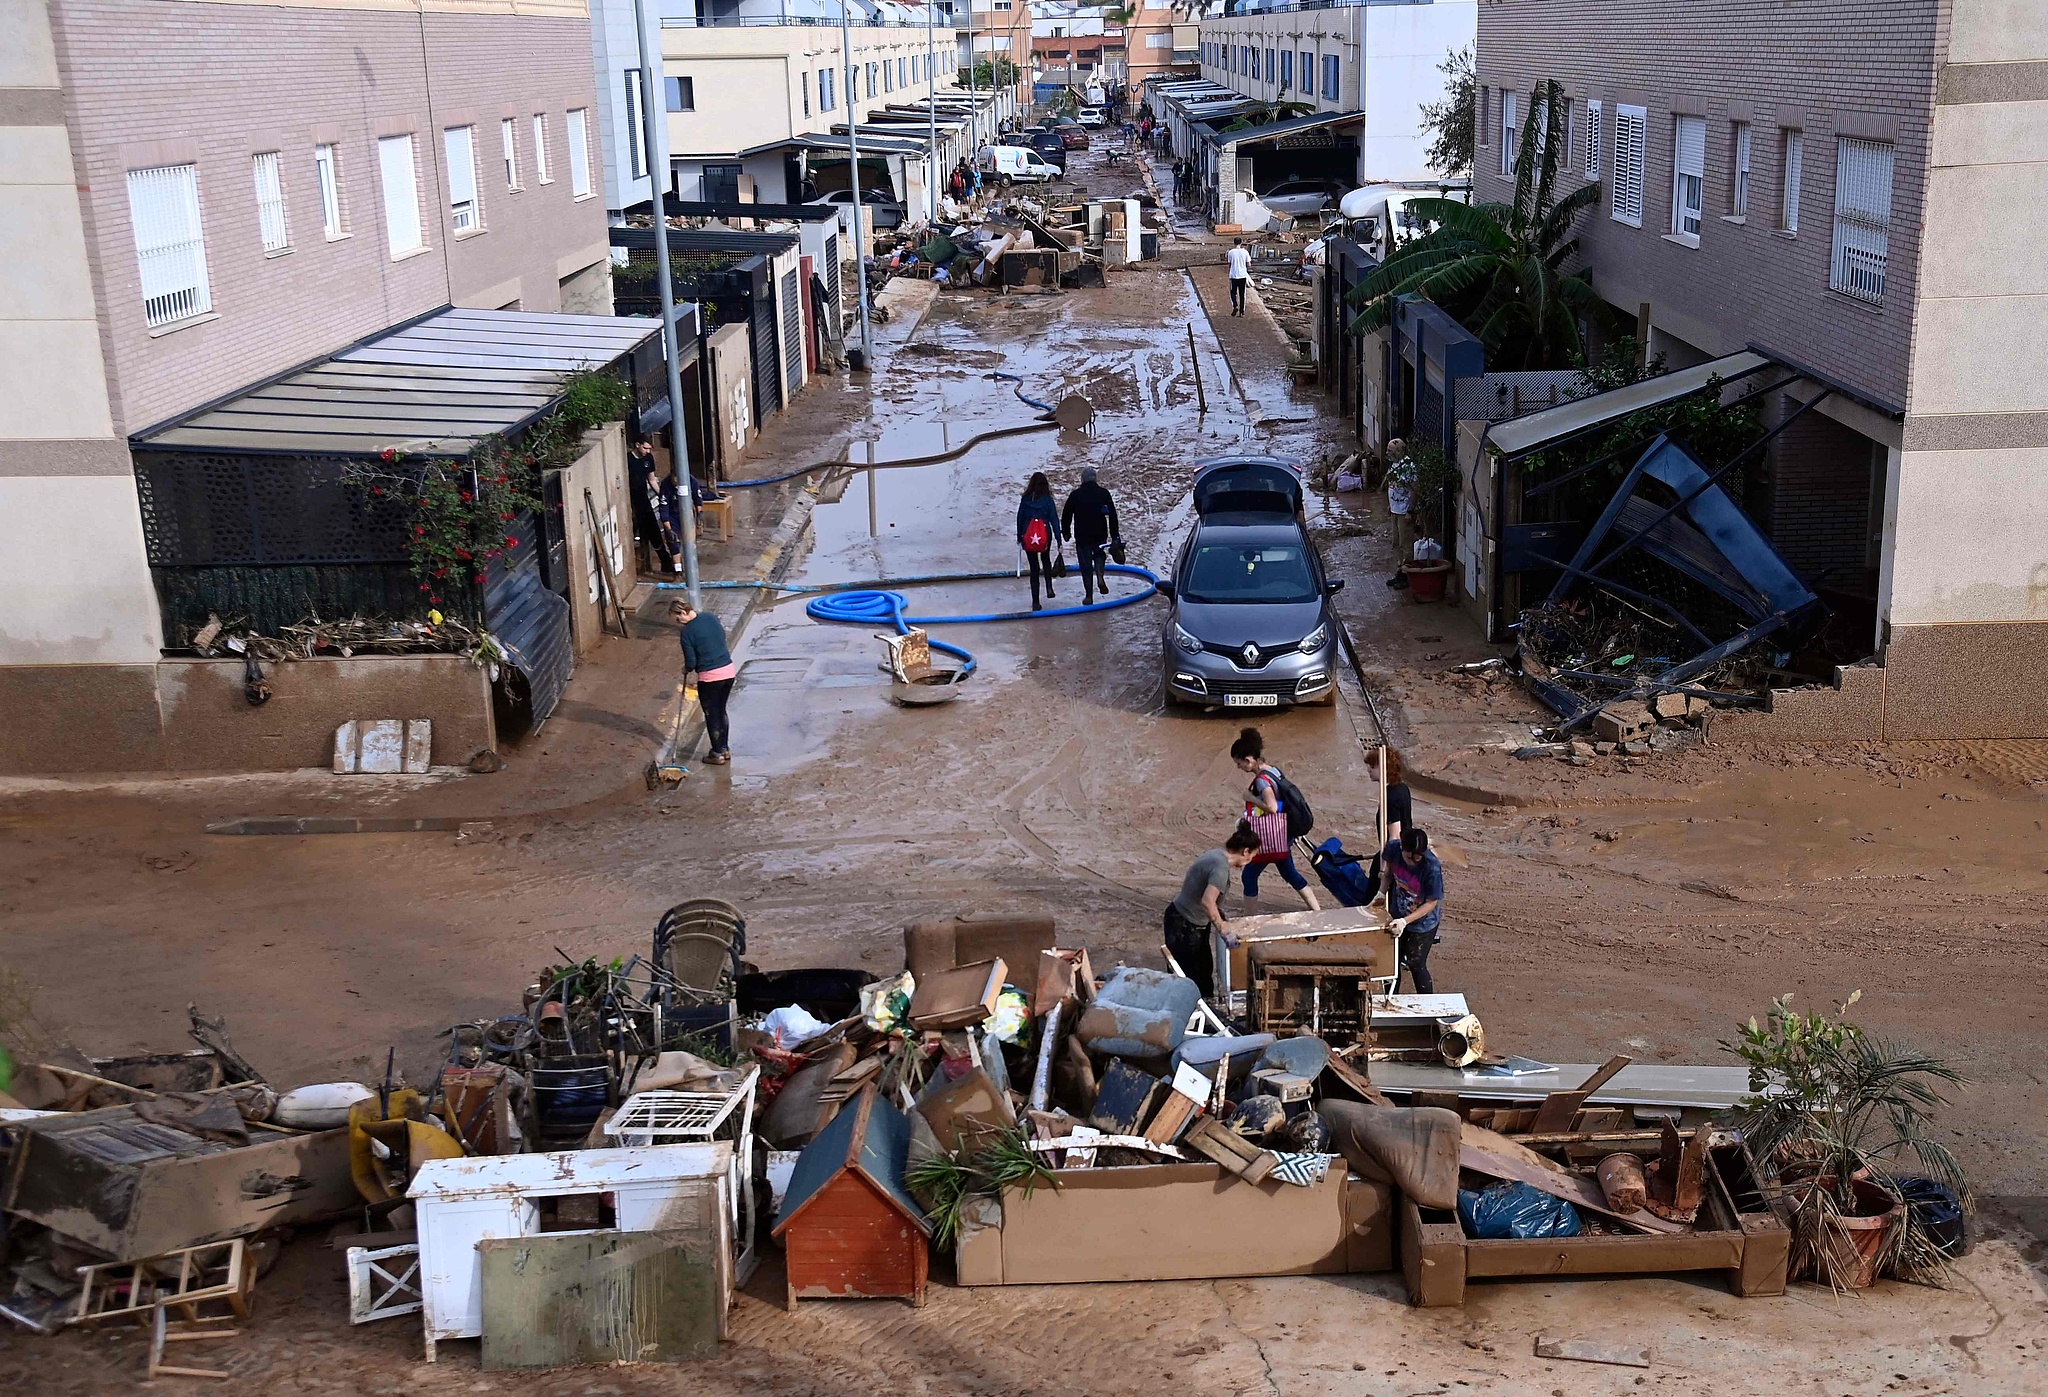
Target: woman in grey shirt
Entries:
(1191, 915)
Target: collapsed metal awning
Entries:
(1567, 420)
(1277, 130)
(436, 386)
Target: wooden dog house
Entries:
(848, 1228)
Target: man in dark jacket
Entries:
(1090, 520)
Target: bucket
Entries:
(1938, 1211)
(1426, 580)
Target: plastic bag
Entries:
(791, 1025)
(1011, 1021)
(1428, 550)
(886, 1003)
(1515, 1210)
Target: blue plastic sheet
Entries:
(1515, 1210)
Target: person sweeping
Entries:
(706, 655)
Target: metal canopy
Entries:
(1541, 429)
(437, 386)
(1273, 130)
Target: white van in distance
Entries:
(1007, 164)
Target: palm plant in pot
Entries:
(1843, 1120)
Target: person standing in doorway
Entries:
(1415, 895)
(1198, 910)
(655, 533)
(1038, 532)
(1089, 519)
(706, 655)
(1400, 504)
(1240, 263)
(1180, 175)
(1266, 797)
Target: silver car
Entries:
(1250, 624)
(1300, 197)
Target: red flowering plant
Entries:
(464, 512)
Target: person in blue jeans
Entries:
(1263, 798)
(1415, 895)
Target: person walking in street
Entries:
(1240, 263)
(706, 655)
(1038, 532)
(1400, 813)
(1415, 895)
(1089, 519)
(1269, 800)
(1198, 910)
(1401, 505)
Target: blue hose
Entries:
(1012, 378)
(861, 604)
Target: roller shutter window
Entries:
(463, 211)
(401, 195)
(1792, 155)
(1688, 174)
(170, 247)
(1863, 217)
(1509, 137)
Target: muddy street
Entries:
(1645, 911)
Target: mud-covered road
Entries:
(1644, 913)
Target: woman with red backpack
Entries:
(1275, 808)
(1038, 532)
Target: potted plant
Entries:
(1842, 1121)
(1431, 481)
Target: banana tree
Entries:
(1500, 269)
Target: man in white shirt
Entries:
(1400, 503)
(1240, 275)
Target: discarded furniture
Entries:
(460, 1202)
(962, 997)
(1736, 1232)
(714, 519)
(1644, 1093)
(914, 680)
(1322, 988)
(1138, 1014)
(556, 1301)
(684, 1117)
(1331, 926)
(383, 1282)
(1162, 1222)
(184, 1280)
(941, 943)
(1413, 1027)
(132, 1187)
(848, 1227)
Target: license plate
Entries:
(1251, 700)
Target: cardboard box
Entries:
(1170, 1222)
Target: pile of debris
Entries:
(1017, 243)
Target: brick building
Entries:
(197, 197)
(1846, 187)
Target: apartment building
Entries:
(197, 197)
(1849, 189)
(1158, 41)
(1362, 72)
(759, 101)
(998, 29)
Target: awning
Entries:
(871, 143)
(1274, 130)
(1540, 429)
(436, 386)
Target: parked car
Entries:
(1007, 164)
(1050, 147)
(1074, 134)
(882, 207)
(1092, 117)
(1297, 198)
(1250, 623)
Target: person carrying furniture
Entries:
(1198, 910)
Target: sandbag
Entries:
(1414, 1148)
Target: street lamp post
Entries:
(931, 101)
(654, 116)
(860, 261)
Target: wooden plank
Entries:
(1173, 1114)
(1432, 1258)
(1498, 1157)
(1600, 1256)
(1587, 1351)
(1229, 1149)
(1356, 1081)
(564, 1299)
(1560, 1108)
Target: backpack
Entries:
(1300, 819)
(1037, 538)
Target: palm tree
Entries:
(1499, 268)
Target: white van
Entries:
(1014, 164)
(1378, 218)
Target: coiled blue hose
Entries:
(865, 604)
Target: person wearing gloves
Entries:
(1415, 895)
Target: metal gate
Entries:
(767, 368)
(789, 298)
(532, 623)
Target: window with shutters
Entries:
(1688, 176)
(327, 174)
(1272, 66)
(1631, 137)
(1594, 135)
(541, 171)
(1863, 217)
(401, 195)
(170, 248)
(721, 184)
(636, 127)
(825, 90)
(1508, 140)
(807, 91)
(579, 153)
(464, 213)
(270, 219)
(1738, 170)
(1791, 155)
(508, 137)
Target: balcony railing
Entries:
(801, 13)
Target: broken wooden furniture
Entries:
(1641, 1094)
(383, 1282)
(132, 1187)
(1736, 1231)
(1321, 987)
(1416, 1027)
(460, 1202)
(913, 680)
(848, 1227)
(685, 1117)
(183, 1280)
(942, 943)
(1333, 926)
(1160, 1222)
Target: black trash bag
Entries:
(1938, 1211)
(1515, 1210)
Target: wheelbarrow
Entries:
(914, 681)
